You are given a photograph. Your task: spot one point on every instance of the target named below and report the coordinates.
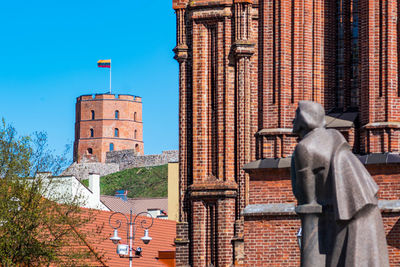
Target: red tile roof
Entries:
(163, 234)
(137, 204)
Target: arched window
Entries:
(90, 151)
(135, 135)
(111, 147)
(116, 132)
(137, 148)
(116, 114)
(91, 133)
(134, 116)
(92, 114)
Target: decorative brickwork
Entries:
(106, 122)
(243, 67)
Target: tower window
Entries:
(92, 114)
(137, 148)
(111, 147)
(90, 151)
(116, 132)
(116, 114)
(91, 132)
(134, 116)
(135, 135)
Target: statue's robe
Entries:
(351, 230)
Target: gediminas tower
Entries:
(107, 122)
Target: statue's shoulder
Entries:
(315, 137)
(336, 135)
(318, 141)
(301, 147)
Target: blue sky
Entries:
(49, 54)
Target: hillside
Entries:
(140, 182)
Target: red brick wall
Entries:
(104, 124)
(271, 187)
(268, 55)
(274, 185)
(379, 72)
(388, 179)
(392, 229)
(271, 241)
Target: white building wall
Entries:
(68, 189)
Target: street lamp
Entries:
(124, 250)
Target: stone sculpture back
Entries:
(337, 203)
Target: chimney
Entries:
(94, 185)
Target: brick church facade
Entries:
(244, 65)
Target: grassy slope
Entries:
(140, 182)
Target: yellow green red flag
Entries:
(104, 63)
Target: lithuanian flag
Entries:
(106, 63)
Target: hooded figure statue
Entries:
(337, 198)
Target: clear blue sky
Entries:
(49, 51)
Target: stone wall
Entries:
(118, 161)
(81, 170)
(129, 159)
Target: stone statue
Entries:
(337, 202)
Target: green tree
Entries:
(35, 231)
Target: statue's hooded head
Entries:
(309, 115)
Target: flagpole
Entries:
(110, 76)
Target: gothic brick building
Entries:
(107, 122)
(244, 65)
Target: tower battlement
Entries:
(109, 97)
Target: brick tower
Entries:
(107, 122)
(244, 65)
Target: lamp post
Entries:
(124, 250)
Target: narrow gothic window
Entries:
(90, 151)
(116, 114)
(92, 114)
(340, 82)
(134, 116)
(111, 147)
(91, 132)
(135, 135)
(347, 54)
(354, 73)
(212, 230)
(213, 100)
(137, 148)
(116, 132)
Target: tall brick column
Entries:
(243, 49)
(380, 113)
(181, 55)
(216, 47)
